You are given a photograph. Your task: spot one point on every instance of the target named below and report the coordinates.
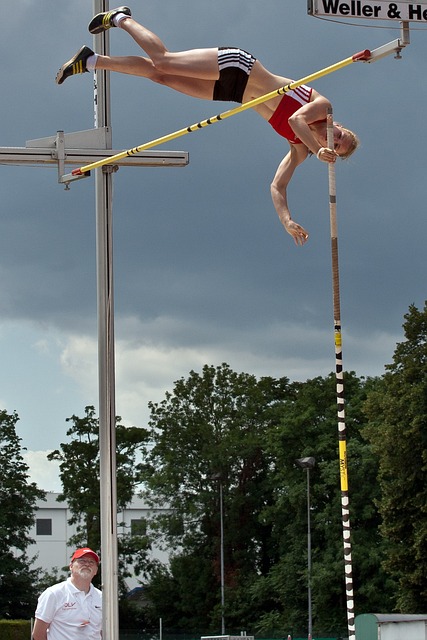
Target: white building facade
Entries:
(51, 532)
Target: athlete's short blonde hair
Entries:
(355, 142)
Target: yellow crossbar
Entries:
(363, 56)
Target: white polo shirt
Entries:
(71, 613)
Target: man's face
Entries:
(85, 567)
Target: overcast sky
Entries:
(204, 271)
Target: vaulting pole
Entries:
(363, 56)
(342, 442)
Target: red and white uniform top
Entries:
(289, 104)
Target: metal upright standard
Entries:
(339, 371)
(106, 348)
(106, 355)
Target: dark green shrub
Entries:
(15, 629)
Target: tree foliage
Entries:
(226, 443)
(397, 429)
(208, 440)
(79, 466)
(17, 508)
(244, 433)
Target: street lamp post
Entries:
(307, 464)
(217, 476)
(221, 517)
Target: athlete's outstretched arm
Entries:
(297, 154)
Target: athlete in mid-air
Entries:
(229, 74)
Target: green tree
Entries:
(17, 507)
(225, 427)
(80, 478)
(209, 435)
(397, 429)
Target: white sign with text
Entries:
(369, 9)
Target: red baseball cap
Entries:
(83, 552)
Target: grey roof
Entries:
(399, 617)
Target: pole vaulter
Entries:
(362, 56)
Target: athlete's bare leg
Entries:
(195, 63)
(144, 67)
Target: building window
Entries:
(138, 527)
(44, 526)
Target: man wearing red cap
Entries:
(72, 609)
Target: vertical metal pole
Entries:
(221, 515)
(310, 616)
(308, 463)
(405, 33)
(106, 373)
(342, 441)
